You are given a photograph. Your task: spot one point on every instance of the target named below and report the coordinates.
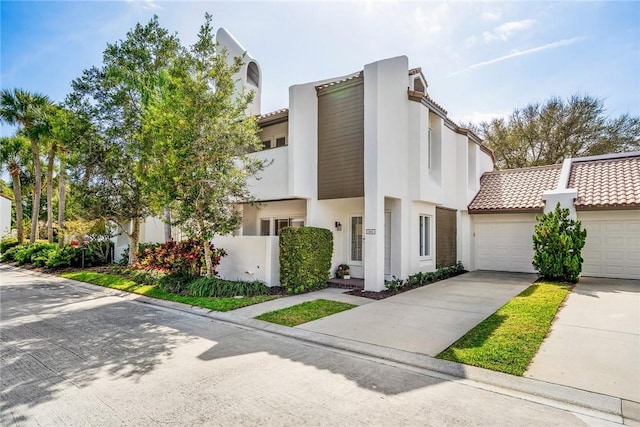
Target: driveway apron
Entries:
(429, 319)
(594, 343)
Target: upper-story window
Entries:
(281, 141)
(417, 85)
(266, 144)
(253, 74)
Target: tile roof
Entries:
(272, 113)
(515, 189)
(607, 183)
(416, 70)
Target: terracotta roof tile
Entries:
(272, 113)
(413, 71)
(335, 82)
(515, 189)
(607, 183)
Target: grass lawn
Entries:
(305, 312)
(117, 282)
(508, 339)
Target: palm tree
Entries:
(12, 152)
(26, 109)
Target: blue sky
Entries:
(481, 59)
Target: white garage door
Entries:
(612, 248)
(503, 242)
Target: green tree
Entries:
(27, 110)
(111, 167)
(13, 151)
(546, 133)
(557, 244)
(197, 136)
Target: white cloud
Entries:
(506, 30)
(517, 53)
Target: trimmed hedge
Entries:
(305, 258)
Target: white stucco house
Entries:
(5, 216)
(373, 158)
(369, 156)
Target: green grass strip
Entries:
(117, 282)
(305, 312)
(508, 339)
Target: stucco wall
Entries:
(5, 217)
(273, 182)
(250, 258)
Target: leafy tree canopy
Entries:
(546, 133)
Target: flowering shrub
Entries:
(342, 270)
(171, 257)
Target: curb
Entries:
(585, 402)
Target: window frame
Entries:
(425, 236)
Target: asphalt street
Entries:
(75, 355)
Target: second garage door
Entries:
(612, 248)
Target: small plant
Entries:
(394, 284)
(27, 254)
(342, 270)
(177, 282)
(171, 257)
(557, 244)
(66, 256)
(10, 254)
(219, 288)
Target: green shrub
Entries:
(557, 244)
(67, 256)
(8, 243)
(216, 287)
(177, 282)
(28, 254)
(10, 254)
(305, 258)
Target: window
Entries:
(281, 142)
(266, 144)
(429, 150)
(253, 75)
(265, 227)
(356, 238)
(425, 235)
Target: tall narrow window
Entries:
(425, 235)
(429, 150)
(253, 75)
(356, 238)
(265, 227)
(266, 144)
(281, 142)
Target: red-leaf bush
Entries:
(172, 257)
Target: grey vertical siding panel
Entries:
(341, 141)
(446, 237)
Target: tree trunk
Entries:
(51, 160)
(17, 191)
(207, 258)
(37, 190)
(167, 223)
(134, 239)
(62, 195)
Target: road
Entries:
(74, 355)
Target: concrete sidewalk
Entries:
(594, 343)
(429, 319)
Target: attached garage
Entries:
(503, 242)
(603, 190)
(612, 248)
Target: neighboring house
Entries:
(151, 231)
(5, 216)
(369, 156)
(603, 192)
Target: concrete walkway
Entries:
(428, 319)
(594, 343)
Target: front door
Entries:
(356, 246)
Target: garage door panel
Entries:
(504, 245)
(612, 248)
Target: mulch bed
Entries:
(387, 293)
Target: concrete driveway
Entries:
(429, 319)
(594, 343)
